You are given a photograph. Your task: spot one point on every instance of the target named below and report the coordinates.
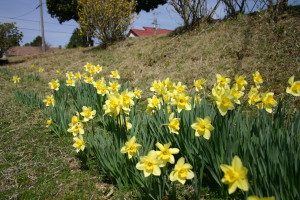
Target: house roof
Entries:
(21, 51)
(148, 31)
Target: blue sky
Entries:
(27, 19)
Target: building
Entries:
(148, 31)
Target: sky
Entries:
(26, 14)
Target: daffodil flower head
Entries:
(199, 84)
(225, 103)
(235, 175)
(49, 101)
(131, 147)
(98, 69)
(222, 80)
(257, 78)
(174, 124)
(182, 101)
(70, 82)
(114, 74)
(76, 129)
(114, 87)
(78, 76)
(154, 103)
(182, 171)
(203, 127)
(87, 113)
(89, 79)
(113, 105)
(150, 164)
(165, 153)
(240, 82)
(137, 93)
(54, 85)
(16, 79)
(294, 88)
(257, 198)
(268, 101)
(69, 75)
(57, 72)
(41, 69)
(48, 122)
(179, 88)
(79, 144)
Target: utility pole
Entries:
(42, 27)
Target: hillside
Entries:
(35, 164)
(227, 47)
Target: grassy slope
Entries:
(36, 165)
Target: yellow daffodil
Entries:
(173, 124)
(76, 129)
(79, 144)
(131, 147)
(182, 171)
(48, 122)
(54, 85)
(74, 120)
(150, 164)
(112, 105)
(41, 69)
(237, 94)
(168, 84)
(88, 66)
(235, 175)
(182, 101)
(92, 69)
(114, 86)
(16, 79)
(57, 72)
(165, 153)
(257, 78)
(114, 74)
(199, 84)
(240, 82)
(49, 101)
(70, 82)
(294, 88)
(126, 100)
(32, 66)
(155, 86)
(224, 103)
(203, 127)
(154, 103)
(268, 101)
(197, 100)
(78, 76)
(98, 69)
(222, 80)
(127, 123)
(87, 113)
(137, 93)
(69, 75)
(89, 80)
(257, 198)
(179, 88)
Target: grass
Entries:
(37, 165)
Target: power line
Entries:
(27, 12)
(37, 21)
(31, 29)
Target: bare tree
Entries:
(235, 7)
(191, 11)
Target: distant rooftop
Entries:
(148, 31)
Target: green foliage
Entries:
(34, 77)
(78, 40)
(10, 36)
(28, 97)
